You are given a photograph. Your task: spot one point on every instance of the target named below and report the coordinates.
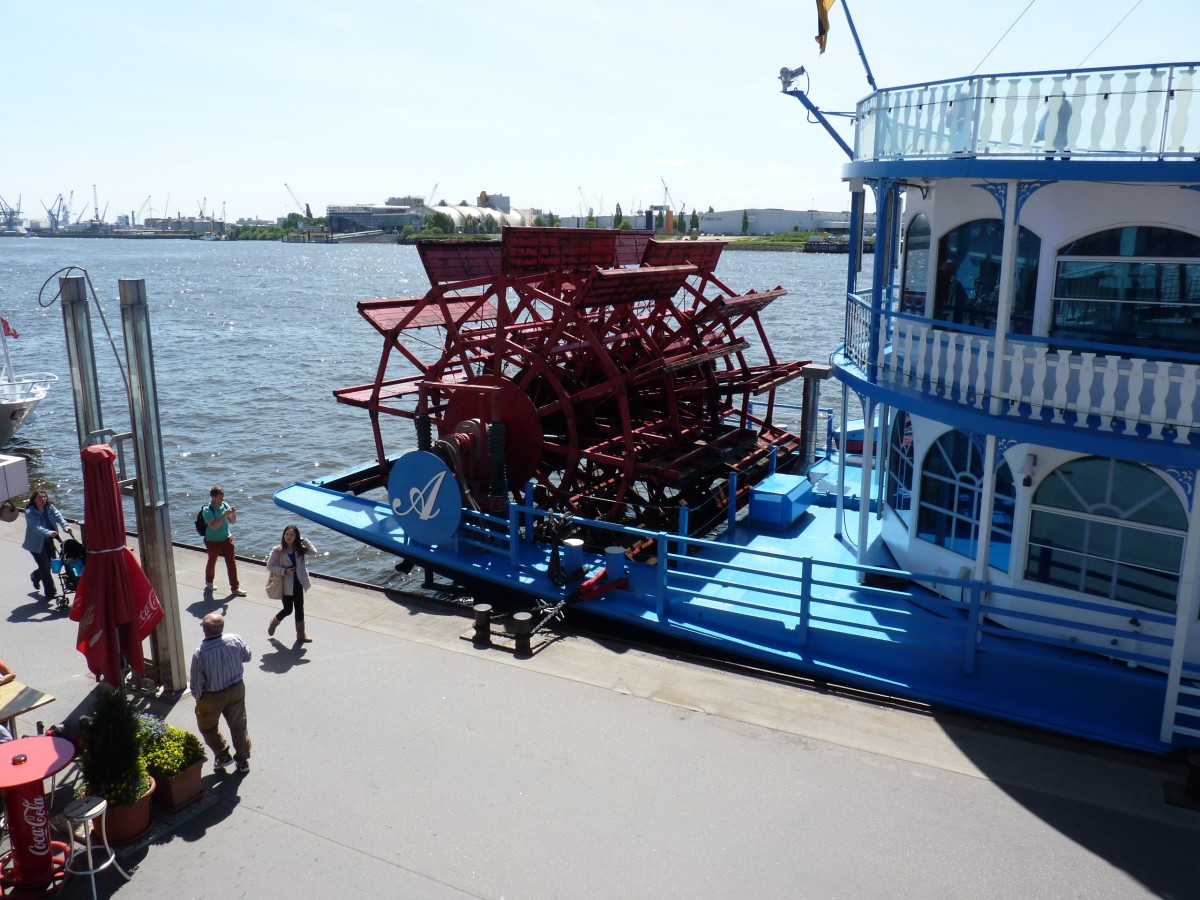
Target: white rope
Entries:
(1110, 34)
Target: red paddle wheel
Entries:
(603, 365)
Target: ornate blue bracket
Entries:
(1185, 477)
(999, 192)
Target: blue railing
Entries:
(693, 573)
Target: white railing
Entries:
(1106, 392)
(26, 387)
(1142, 113)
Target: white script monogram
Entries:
(422, 501)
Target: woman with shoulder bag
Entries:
(42, 522)
(287, 560)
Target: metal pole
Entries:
(857, 43)
(150, 493)
(81, 357)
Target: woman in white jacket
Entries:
(287, 560)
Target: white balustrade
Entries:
(1185, 415)
(946, 381)
(1093, 113)
(1108, 402)
(1179, 109)
(1152, 116)
(1133, 392)
(1071, 387)
(1062, 375)
(982, 372)
(1158, 411)
(1087, 372)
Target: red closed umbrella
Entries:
(115, 606)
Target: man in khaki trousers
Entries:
(217, 685)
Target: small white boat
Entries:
(19, 394)
(19, 397)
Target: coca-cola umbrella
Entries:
(115, 606)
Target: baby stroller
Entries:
(68, 567)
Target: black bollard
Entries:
(522, 631)
(1186, 795)
(1192, 791)
(483, 624)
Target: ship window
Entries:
(967, 289)
(900, 467)
(1133, 285)
(1109, 528)
(952, 494)
(916, 265)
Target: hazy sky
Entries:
(223, 102)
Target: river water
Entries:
(251, 338)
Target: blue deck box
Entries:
(779, 500)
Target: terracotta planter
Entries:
(127, 823)
(180, 790)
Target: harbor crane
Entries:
(429, 201)
(140, 211)
(10, 214)
(303, 208)
(668, 200)
(55, 213)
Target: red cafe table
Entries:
(34, 858)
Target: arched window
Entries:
(916, 265)
(900, 467)
(951, 499)
(967, 290)
(1134, 285)
(1109, 528)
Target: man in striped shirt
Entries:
(219, 690)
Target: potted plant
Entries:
(174, 758)
(111, 765)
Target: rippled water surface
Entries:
(250, 339)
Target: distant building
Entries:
(183, 225)
(501, 216)
(398, 213)
(779, 221)
(390, 216)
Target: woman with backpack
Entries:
(287, 560)
(42, 522)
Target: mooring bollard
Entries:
(483, 624)
(1192, 790)
(522, 631)
(1187, 794)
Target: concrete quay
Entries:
(392, 758)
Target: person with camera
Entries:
(218, 516)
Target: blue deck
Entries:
(793, 598)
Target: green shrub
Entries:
(110, 760)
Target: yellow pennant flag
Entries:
(823, 8)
